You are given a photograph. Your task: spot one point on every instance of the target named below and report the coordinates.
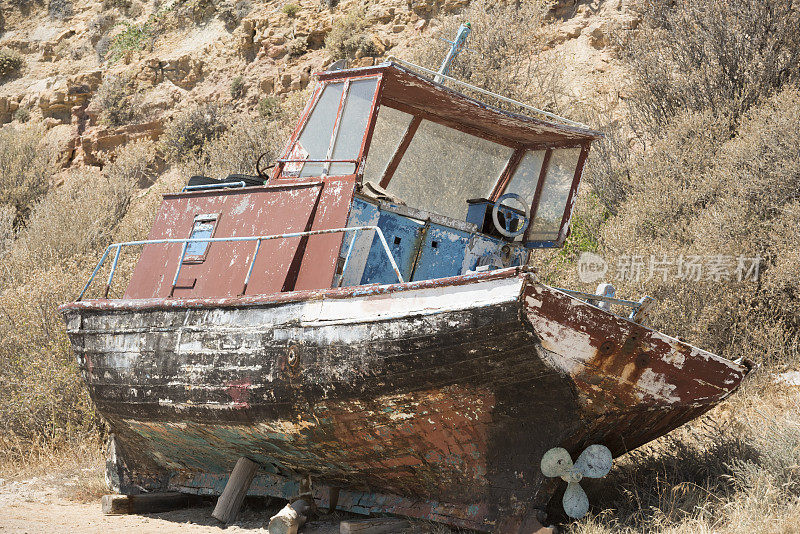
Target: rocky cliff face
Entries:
(179, 53)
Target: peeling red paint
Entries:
(239, 390)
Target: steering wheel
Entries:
(262, 172)
(510, 215)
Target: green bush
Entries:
(237, 87)
(133, 38)
(269, 107)
(10, 64)
(291, 10)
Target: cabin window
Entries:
(546, 223)
(316, 137)
(527, 176)
(204, 226)
(325, 138)
(353, 125)
(443, 168)
(390, 127)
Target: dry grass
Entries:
(25, 168)
(734, 470)
(44, 406)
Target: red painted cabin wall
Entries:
(281, 264)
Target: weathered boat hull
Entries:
(431, 399)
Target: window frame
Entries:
(201, 217)
(508, 172)
(360, 158)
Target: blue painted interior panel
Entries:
(438, 252)
(442, 253)
(403, 236)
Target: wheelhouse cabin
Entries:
(453, 185)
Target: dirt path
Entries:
(69, 501)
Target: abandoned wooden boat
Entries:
(364, 318)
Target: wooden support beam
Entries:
(289, 519)
(232, 498)
(145, 503)
(375, 525)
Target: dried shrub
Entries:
(98, 27)
(232, 15)
(117, 100)
(348, 38)
(709, 55)
(298, 46)
(22, 115)
(123, 5)
(102, 47)
(237, 149)
(7, 215)
(190, 130)
(44, 402)
(11, 63)
(25, 167)
(60, 9)
(511, 62)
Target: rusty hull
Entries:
(430, 399)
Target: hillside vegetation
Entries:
(699, 102)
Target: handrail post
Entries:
(94, 273)
(349, 251)
(178, 270)
(389, 254)
(250, 269)
(111, 274)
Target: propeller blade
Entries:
(575, 501)
(595, 461)
(556, 462)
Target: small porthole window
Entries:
(203, 227)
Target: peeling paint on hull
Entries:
(432, 400)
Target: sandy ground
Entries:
(69, 501)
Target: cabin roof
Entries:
(404, 88)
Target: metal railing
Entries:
(639, 310)
(220, 185)
(117, 247)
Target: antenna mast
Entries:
(457, 45)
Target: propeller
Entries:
(594, 462)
